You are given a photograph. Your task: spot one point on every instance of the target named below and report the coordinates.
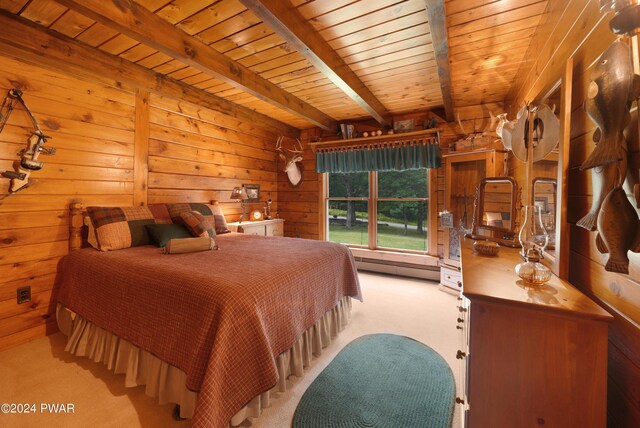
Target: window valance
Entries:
(397, 152)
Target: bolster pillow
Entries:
(190, 245)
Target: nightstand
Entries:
(273, 227)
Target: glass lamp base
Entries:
(533, 273)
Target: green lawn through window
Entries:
(388, 236)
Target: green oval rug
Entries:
(382, 381)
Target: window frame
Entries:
(372, 200)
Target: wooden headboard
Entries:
(77, 213)
(78, 231)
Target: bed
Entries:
(213, 331)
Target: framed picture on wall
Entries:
(403, 125)
(253, 192)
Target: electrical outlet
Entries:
(24, 294)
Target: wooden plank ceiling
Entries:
(386, 44)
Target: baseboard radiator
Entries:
(431, 273)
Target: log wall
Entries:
(116, 147)
(584, 34)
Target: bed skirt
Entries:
(167, 382)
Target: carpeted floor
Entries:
(41, 372)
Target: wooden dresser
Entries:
(273, 227)
(531, 357)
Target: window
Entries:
(379, 210)
(348, 208)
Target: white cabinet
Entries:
(274, 227)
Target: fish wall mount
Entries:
(612, 89)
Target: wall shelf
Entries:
(427, 134)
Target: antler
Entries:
(299, 149)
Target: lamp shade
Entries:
(239, 193)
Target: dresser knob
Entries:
(460, 355)
(460, 284)
(462, 309)
(460, 320)
(459, 327)
(459, 400)
(459, 298)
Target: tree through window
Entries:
(395, 202)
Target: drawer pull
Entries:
(460, 320)
(459, 400)
(459, 327)
(462, 309)
(460, 355)
(460, 284)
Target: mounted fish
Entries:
(625, 20)
(603, 180)
(546, 134)
(618, 230)
(632, 137)
(613, 85)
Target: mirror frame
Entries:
(510, 235)
(559, 262)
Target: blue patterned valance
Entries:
(388, 153)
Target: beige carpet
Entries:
(41, 372)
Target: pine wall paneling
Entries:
(192, 157)
(583, 33)
(115, 146)
(92, 127)
(300, 206)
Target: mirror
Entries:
(544, 185)
(495, 212)
(545, 193)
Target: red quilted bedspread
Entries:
(220, 316)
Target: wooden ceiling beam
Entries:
(437, 23)
(135, 21)
(289, 24)
(27, 41)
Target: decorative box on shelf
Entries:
(273, 227)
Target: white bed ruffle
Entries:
(167, 382)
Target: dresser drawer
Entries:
(450, 278)
(253, 229)
(275, 229)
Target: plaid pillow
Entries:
(197, 224)
(219, 220)
(120, 227)
(213, 213)
(160, 213)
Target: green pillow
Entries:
(162, 233)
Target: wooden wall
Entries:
(582, 33)
(194, 157)
(299, 206)
(117, 147)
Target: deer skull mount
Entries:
(293, 161)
